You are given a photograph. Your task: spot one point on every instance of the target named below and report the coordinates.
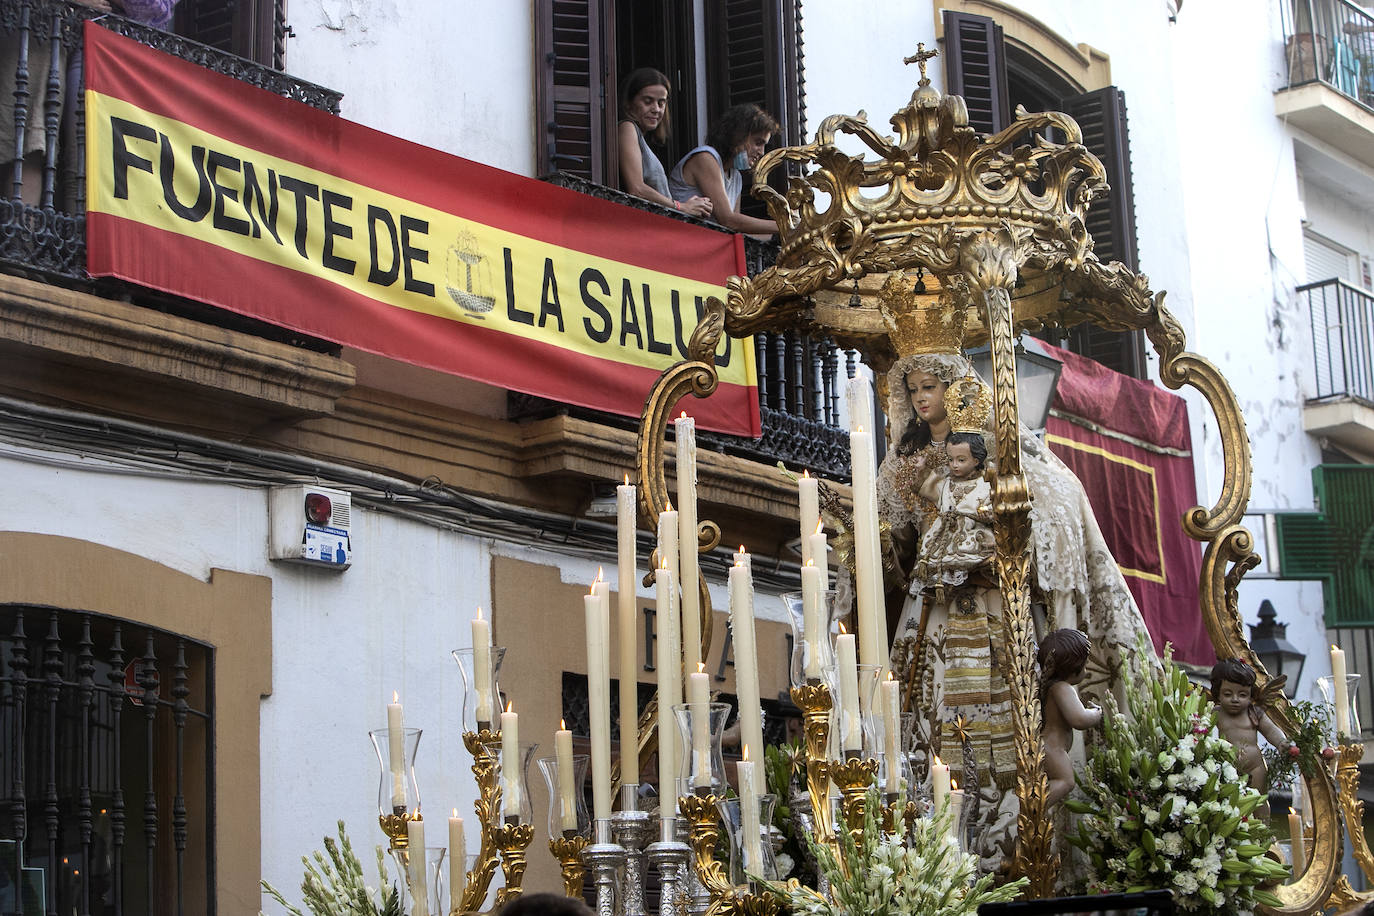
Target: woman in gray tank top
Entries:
(644, 111)
(735, 142)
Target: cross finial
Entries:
(920, 57)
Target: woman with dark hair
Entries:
(644, 116)
(715, 169)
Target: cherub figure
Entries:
(1063, 658)
(1241, 720)
(960, 538)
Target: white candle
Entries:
(510, 764)
(690, 575)
(597, 608)
(481, 668)
(892, 732)
(846, 659)
(567, 802)
(625, 497)
(939, 785)
(667, 543)
(1338, 692)
(1299, 843)
(809, 505)
(811, 622)
(396, 750)
(457, 861)
(867, 562)
(956, 810)
(748, 776)
(746, 665)
(699, 703)
(742, 558)
(669, 663)
(415, 864)
(820, 558)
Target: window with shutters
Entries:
(716, 53)
(995, 75)
(255, 29)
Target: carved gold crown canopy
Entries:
(845, 223)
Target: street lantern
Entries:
(1268, 639)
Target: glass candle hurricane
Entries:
(1350, 728)
(476, 699)
(398, 794)
(813, 660)
(750, 856)
(563, 821)
(701, 727)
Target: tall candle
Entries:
(510, 764)
(415, 865)
(748, 775)
(846, 659)
(597, 609)
(481, 668)
(690, 575)
(669, 664)
(1339, 693)
(628, 631)
(396, 750)
(746, 665)
(457, 861)
(809, 508)
(939, 785)
(567, 802)
(820, 558)
(956, 811)
(1299, 843)
(892, 732)
(699, 703)
(867, 562)
(667, 543)
(812, 629)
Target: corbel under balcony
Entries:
(1330, 116)
(1343, 420)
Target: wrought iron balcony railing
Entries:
(1330, 41)
(1342, 338)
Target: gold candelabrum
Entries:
(502, 839)
(567, 849)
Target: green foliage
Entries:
(891, 875)
(783, 763)
(1166, 807)
(334, 886)
(1314, 725)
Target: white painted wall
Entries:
(452, 74)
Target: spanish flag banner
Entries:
(204, 187)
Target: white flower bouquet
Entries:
(335, 886)
(894, 875)
(1166, 807)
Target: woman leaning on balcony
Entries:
(716, 170)
(644, 113)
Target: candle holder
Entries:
(853, 777)
(751, 857)
(704, 820)
(568, 829)
(491, 709)
(818, 659)
(630, 830)
(814, 700)
(484, 747)
(672, 858)
(1343, 731)
(604, 858)
(435, 900)
(516, 807)
(703, 767)
(398, 795)
(515, 832)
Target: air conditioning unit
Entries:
(310, 525)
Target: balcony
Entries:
(1343, 358)
(1329, 57)
(104, 326)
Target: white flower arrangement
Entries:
(336, 887)
(890, 874)
(1166, 807)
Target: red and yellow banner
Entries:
(1128, 442)
(204, 187)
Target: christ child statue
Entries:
(1241, 720)
(960, 539)
(1063, 657)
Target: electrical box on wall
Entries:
(310, 525)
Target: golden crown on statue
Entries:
(916, 320)
(968, 403)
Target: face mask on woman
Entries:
(741, 161)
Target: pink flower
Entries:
(1328, 753)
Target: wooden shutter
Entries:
(1111, 220)
(575, 94)
(976, 68)
(255, 29)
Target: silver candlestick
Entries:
(630, 828)
(604, 859)
(673, 859)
